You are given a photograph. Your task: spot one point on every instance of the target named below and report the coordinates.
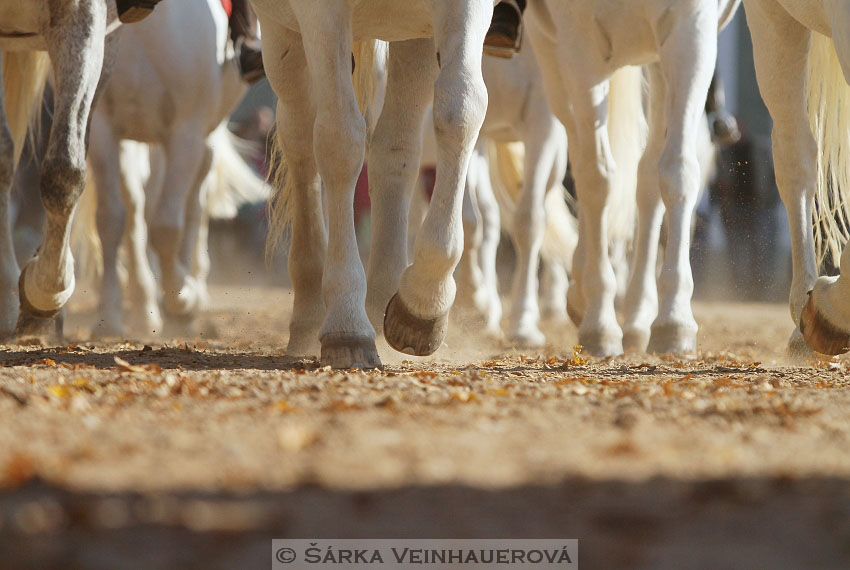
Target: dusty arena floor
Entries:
(194, 452)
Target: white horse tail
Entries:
(627, 130)
(369, 68)
(235, 182)
(506, 174)
(85, 241)
(24, 78)
(829, 115)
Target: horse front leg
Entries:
(339, 141)
(47, 280)
(417, 316)
(394, 166)
(675, 329)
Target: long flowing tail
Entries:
(24, 78)
(627, 130)
(235, 181)
(369, 64)
(829, 115)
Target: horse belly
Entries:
(391, 20)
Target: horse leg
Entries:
(105, 163)
(394, 152)
(780, 49)
(553, 291)
(193, 250)
(144, 314)
(417, 316)
(473, 289)
(688, 54)
(641, 301)
(80, 61)
(529, 225)
(491, 234)
(593, 168)
(339, 141)
(9, 271)
(296, 116)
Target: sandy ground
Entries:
(195, 452)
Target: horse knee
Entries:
(460, 104)
(678, 176)
(340, 146)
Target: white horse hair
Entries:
(802, 56)
(147, 100)
(75, 36)
(579, 45)
(322, 133)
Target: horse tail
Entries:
(235, 182)
(506, 173)
(627, 131)
(829, 116)
(369, 65)
(24, 79)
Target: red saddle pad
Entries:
(228, 7)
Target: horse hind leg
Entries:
(417, 316)
(47, 280)
(104, 161)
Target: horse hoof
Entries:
(601, 342)
(410, 334)
(635, 340)
(530, 337)
(36, 325)
(32, 322)
(673, 338)
(346, 351)
(797, 349)
(303, 344)
(820, 334)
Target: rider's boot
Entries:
(243, 32)
(504, 38)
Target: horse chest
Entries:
(810, 13)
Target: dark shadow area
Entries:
(662, 523)
(166, 358)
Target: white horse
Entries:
(321, 131)
(579, 45)
(811, 121)
(175, 81)
(76, 38)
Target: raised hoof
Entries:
(635, 340)
(797, 350)
(344, 351)
(669, 338)
(410, 334)
(820, 334)
(601, 343)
